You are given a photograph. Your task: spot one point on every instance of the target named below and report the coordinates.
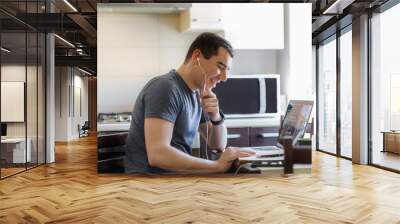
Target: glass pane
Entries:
(386, 89)
(13, 87)
(327, 97)
(41, 98)
(31, 101)
(346, 94)
(31, 86)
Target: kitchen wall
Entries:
(134, 47)
(255, 62)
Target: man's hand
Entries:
(229, 155)
(209, 103)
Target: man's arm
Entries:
(217, 135)
(160, 153)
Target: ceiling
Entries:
(332, 15)
(76, 22)
(77, 25)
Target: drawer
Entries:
(302, 156)
(238, 137)
(264, 136)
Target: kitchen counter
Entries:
(113, 126)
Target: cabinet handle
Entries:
(267, 135)
(207, 20)
(233, 136)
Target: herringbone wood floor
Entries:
(70, 191)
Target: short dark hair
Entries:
(208, 43)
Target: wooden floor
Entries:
(70, 191)
(386, 159)
(5, 172)
(10, 171)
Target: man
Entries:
(168, 113)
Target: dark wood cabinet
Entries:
(253, 136)
(238, 137)
(111, 152)
(266, 136)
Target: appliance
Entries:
(3, 130)
(253, 95)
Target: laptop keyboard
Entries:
(267, 148)
(267, 151)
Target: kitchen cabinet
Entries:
(245, 25)
(254, 25)
(253, 136)
(201, 17)
(245, 137)
(238, 137)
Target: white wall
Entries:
(82, 82)
(81, 108)
(254, 61)
(295, 61)
(314, 69)
(66, 119)
(62, 81)
(133, 48)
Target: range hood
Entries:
(156, 8)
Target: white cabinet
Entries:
(245, 25)
(202, 17)
(254, 25)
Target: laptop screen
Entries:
(3, 129)
(296, 118)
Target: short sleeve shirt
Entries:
(167, 97)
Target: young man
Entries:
(168, 113)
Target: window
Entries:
(346, 93)
(385, 89)
(327, 96)
(22, 76)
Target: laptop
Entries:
(293, 125)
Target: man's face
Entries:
(216, 68)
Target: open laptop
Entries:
(294, 125)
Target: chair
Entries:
(84, 130)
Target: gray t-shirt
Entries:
(167, 97)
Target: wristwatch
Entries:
(220, 121)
